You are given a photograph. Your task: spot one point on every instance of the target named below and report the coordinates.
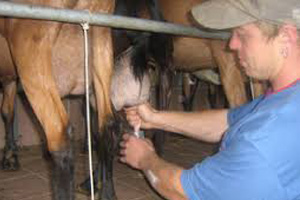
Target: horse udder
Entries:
(126, 90)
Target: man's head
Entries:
(258, 51)
(264, 31)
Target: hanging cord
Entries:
(85, 27)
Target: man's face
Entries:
(257, 54)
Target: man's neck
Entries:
(288, 74)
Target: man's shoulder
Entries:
(273, 113)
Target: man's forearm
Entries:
(207, 125)
(165, 178)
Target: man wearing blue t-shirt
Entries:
(259, 154)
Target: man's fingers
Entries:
(123, 159)
(132, 118)
(149, 141)
(126, 137)
(130, 108)
(122, 152)
(123, 144)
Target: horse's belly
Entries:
(176, 11)
(68, 61)
(191, 54)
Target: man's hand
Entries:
(142, 114)
(163, 176)
(137, 152)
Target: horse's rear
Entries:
(49, 60)
(191, 54)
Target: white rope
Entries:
(85, 27)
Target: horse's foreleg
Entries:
(10, 156)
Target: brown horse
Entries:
(193, 54)
(48, 58)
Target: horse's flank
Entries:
(53, 54)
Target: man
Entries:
(259, 154)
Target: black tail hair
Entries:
(140, 55)
(145, 45)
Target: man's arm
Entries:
(163, 176)
(207, 125)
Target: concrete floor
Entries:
(31, 182)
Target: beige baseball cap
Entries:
(226, 14)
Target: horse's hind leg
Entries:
(107, 148)
(10, 155)
(32, 44)
(48, 107)
(231, 77)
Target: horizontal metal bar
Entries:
(80, 16)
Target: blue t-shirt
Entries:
(259, 157)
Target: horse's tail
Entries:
(161, 48)
(140, 55)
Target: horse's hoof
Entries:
(10, 165)
(113, 198)
(83, 190)
(105, 197)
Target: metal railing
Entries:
(84, 16)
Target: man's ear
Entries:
(287, 39)
(288, 33)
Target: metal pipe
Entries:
(81, 16)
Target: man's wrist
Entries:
(155, 119)
(150, 161)
(150, 169)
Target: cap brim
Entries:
(220, 14)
